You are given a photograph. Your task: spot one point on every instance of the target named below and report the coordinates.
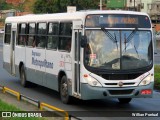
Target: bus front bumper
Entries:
(89, 92)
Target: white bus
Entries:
(86, 54)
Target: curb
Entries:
(40, 105)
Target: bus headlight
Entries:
(92, 81)
(146, 80)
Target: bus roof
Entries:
(65, 16)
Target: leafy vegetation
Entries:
(157, 76)
(47, 6)
(6, 107)
(4, 5)
(57, 6)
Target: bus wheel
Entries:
(124, 100)
(24, 82)
(65, 98)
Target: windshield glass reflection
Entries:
(118, 49)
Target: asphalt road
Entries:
(78, 107)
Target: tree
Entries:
(28, 5)
(54, 6)
(46, 6)
(18, 4)
(4, 5)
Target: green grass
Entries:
(157, 76)
(7, 107)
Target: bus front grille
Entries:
(120, 76)
(132, 83)
(120, 92)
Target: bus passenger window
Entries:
(7, 33)
(22, 40)
(31, 35)
(53, 31)
(65, 37)
(52, 42)
(22, 37)
(41, 38)
(31, 41)
(42, 41)
(65, 44)
(68, 45)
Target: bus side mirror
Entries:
(83, 41)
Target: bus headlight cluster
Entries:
(92, 81)
(146, 80)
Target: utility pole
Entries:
(134, 6)
(100, 4)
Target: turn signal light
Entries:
(146, 92)
(85, 75)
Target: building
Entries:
(134, 5)
(154, 11)
(145, 5)
(116, 4)
(8, 13)
(4, 14)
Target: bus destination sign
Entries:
(118, 21)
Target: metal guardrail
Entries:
(31, 100)
(54, 108)
(12, 91)
(40, 105)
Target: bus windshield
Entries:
(118, 49)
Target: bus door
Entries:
(13, 39)
(76, 75)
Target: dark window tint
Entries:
(7, 33)
(65, 43)
(65, 37)
(8, 28)
(32, 28)
(53, 36)
(41, 40)
(42, 28)
(53, 29)
(31, 41)
(66, 29)
(52, 42)
(22, 28)
(22, 37)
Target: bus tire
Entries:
(64, 93)
(124, 100)
(23, 80)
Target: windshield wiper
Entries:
(125, 41)
(114, 39)
(136, 51)
(128, 39)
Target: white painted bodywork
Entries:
(62, 61)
